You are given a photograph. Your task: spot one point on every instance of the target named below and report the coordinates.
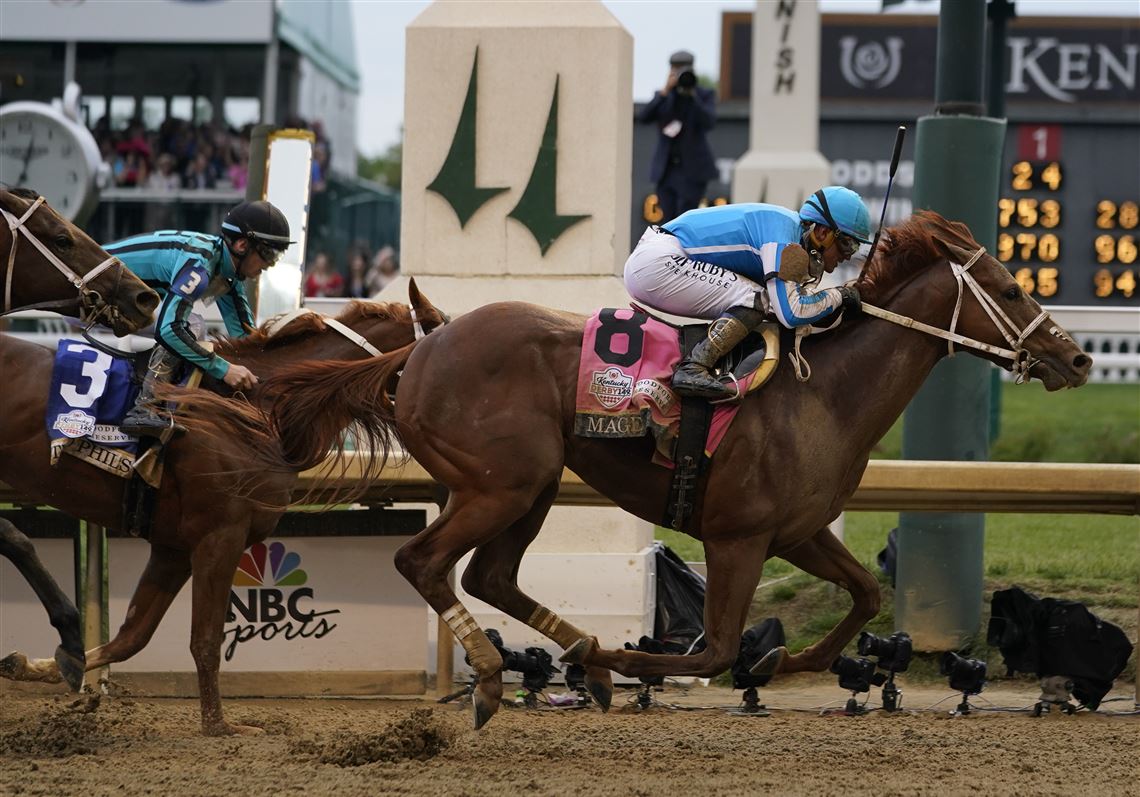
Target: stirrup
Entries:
(150, 426)
(712, 389)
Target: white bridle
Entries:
(1021, 362)
(278, 322)
(89, 300)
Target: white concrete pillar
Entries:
(517, 155)
(516, 186)
(783, 164)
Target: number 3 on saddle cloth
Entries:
(624, 377)
(90, 393)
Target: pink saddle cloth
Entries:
(624, 375)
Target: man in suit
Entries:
(683, 161)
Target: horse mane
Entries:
(24, 193)
(914, 244)
(263, 338)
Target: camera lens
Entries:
(687, 79)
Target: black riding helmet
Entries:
(263, 224)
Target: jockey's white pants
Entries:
(659, 275)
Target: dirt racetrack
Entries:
(127, 745)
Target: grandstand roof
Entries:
(322, 32)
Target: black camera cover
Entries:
(1048, 636)
(755, 643)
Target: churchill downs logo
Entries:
(268, 611)
(870, 64)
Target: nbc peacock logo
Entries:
(269, 586)
(284, 567)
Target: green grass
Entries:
(1077, 551)
(1096, 423)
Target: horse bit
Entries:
(92, 306)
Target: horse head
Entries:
(101, 288)
(972, 299)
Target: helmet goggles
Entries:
(847, 245)
(266, 251)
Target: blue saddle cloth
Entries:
(91, 391)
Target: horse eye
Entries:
(1012, 293)
(63, 241)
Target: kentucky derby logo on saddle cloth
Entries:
(91, 391)
(624, 375)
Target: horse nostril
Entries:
(147, 301)
(1082, 361)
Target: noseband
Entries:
(1017, 354)
(92, 305)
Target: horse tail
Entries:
(316, 407)
(301, 414)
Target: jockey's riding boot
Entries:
(694, 376)
(144, 419)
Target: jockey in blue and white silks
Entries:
(186, 267)
(737, 263)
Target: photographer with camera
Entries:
(683, 161)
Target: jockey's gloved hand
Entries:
(852, 304)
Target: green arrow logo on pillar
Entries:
(456, 179)
(536, 208)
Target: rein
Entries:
(1021, 362)
(92, 306)
(277, 323)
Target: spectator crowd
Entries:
(367, 274)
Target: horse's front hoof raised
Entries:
(486, 698)
(601, 686)
(770, 664)
(71, 667)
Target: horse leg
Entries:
(469, 519)
(492, 577)
(166, 571)
(69, 660)
(825, 557)
(213, 562)
(734, 567)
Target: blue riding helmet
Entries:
(840, 209)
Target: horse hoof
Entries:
(579, 651)
(601, 686)
(13, 665)
(71, 667)
(18, 667)
(486, 698)
(770, 664)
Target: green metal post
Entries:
(999, 13)
(938, 597)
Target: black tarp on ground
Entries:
(1048, 636)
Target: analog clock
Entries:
(44, 150)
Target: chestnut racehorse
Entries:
(199, 529)
(486, 405)
(46, 262)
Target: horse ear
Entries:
(414, 296)
(953, 252)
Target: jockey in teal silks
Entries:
(186, 267)
(738, 263)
